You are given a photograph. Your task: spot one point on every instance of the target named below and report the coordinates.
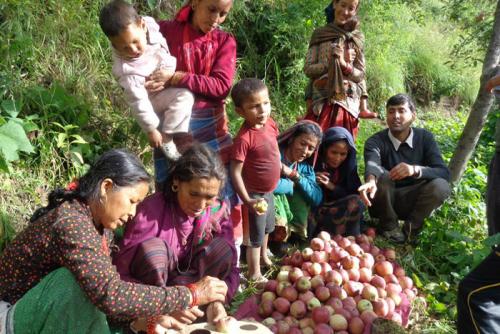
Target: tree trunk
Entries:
(480, 108)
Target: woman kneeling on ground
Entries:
(297, 188)
(57, 273)
(183, 233)
(336, 172)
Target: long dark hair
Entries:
(119, 165)
(199, 161)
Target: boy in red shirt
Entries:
(255, 168)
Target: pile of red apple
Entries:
(337, 285)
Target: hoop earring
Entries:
(175, 188)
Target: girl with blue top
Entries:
(297, 146)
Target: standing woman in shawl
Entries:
(335, 65)
(336, 172)
(297, 185)
(206, 64)
(182, 233)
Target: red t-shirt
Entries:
(259, 152)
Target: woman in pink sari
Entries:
(183, 233)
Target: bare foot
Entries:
(265, 261)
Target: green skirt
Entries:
(57, 304)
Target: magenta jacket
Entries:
(157, 217)
(210, 88)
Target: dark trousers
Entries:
(493, 196)
(478, 300)
(413, 203)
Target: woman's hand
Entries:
(158, 79)
(338, 52)
(187, 316)
(210, 289)
(215, 312)
(323, 178)
(168, 322)
(163, 323)
(285, 170)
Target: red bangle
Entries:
(294, 174)
(194, 294)
(151, 324)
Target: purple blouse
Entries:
(164, 219)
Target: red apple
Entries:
(380, 307)
(306, 253)
(375, 251)
(282, 276)
(317, 244)
(337, 291)
(338, 322)
(362, 239)
(268, 295)
(322, 293)
(364, 305)
(391, 278)
(354, 274)
(368, 317)
(371, 232)
(325, 236)
(334, 302)
(303, 284)
(369, 292)
(298, 309)
(322, 329)
(315, 269)
(354, 249)
(317, 281)
(306, 296)
(271, 285)
(320, 315)
(296, 259)
(334, 277)
(378, 282)
(365, 275)
(266, 308)
(281, 305)
(383, 268)
(281, 286)
(366, 260)
(290, 294)
(356, 325)
(390, 254)
(295, 274)
(344, 242)
(313, 303)
(399, 272)
(406, 282)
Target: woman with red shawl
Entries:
(206, 64)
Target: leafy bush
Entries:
(13, 137)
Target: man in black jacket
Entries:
(406, 178)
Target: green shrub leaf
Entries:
(13, 139)
(11, 107)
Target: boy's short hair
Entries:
(244, 88)
(400, 99)
(116, 16)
